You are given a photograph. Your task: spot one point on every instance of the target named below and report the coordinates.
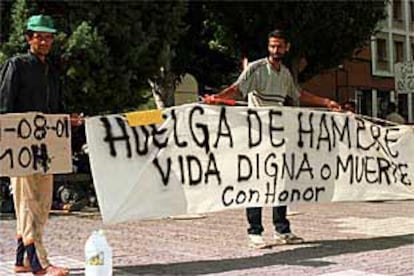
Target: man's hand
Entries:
(332, 105)
(309, 99)
(76, 120)
(210, 99)
(215, 99)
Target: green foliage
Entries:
(323, 32)
(126, 49)
(3, 57)
(221, 33)
(86, 70)
(107, 50)
(197, 53)
(16, 41)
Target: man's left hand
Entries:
(332, 105)
(76, 120)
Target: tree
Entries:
(84, 58)
(107, 50)
(15, 42)
(211, 65)
(324, 33)
(193, 54)
(135, 37)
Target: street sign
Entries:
(404, 76)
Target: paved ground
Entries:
(349, 239)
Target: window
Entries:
(412, 11)
(398, 51)
(403, 105)
(364, 102)
(381, 50)
(397, 10)
(383, 98)
(412, 51)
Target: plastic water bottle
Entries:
(98, 255)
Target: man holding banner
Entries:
(267, 82)
(31, 84)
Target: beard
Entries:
(278, 57)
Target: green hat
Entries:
(41, 23)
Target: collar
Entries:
(273, 68)
(36, 58)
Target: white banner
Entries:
(32, 143)
(208, 158)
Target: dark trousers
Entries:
(254, 217)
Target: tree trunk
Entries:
(163, 89)
(163, 85)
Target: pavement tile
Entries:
(348, 238)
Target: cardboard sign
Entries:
(34, 143)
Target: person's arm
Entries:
(8, 87)
(230, 92)
(310, 99)
(226, 96)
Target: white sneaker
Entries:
(287, 238)
(256, 241)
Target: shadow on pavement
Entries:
(302, 256)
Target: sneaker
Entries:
(256, 241)
(287, 238)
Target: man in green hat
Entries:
(31, 84)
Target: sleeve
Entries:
(246, 80)
(62, 104)
(61, 99)
(8, 87)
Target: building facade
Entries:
(369, 76)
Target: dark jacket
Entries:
(27, 84)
